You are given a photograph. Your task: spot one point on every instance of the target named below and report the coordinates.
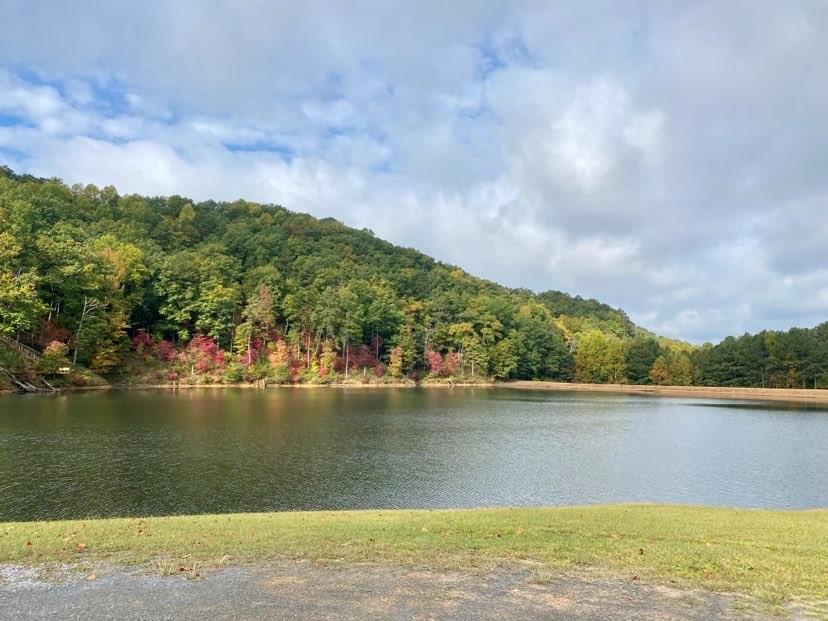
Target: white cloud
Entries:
(583, 133)
(147, 106)
(36, 104)
(668, 159)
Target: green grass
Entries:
(777, 556)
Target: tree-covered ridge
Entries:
(95, 271)
(168, 289)
(796, 358)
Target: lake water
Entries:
(207, 451)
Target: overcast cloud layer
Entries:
(670, 158)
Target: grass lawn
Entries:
(775, 555)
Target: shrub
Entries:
(258, 370)
(54, 357)
(279, 375)
(234, 373)
(10, 359)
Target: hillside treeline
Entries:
(163, 288)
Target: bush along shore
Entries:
(776, 556)
(200, 363)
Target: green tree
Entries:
(351, 315)
(20, 305)
(215, 309)
(640, 355)
(600, 358)
(541, 350)
(672, 369)
(504, 358)
(259, 319)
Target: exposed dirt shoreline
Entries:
(798, 395)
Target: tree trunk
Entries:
(78, 332)
(346, 358)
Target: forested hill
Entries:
(168, 289)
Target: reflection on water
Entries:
(769, 406)
(153, 453)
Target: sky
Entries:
(666, 157)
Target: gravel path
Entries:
(304, 590)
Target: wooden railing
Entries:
(27, 352)
(23, 350)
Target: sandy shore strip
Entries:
(795, 395)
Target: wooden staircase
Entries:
(24, 350)
(30, 354)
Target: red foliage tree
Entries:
(451, 362)
(434, 361)
(165, 351)
(53, 332)
(364, 357)
(142, 342)
(257, 347)
(203, 354)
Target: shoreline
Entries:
(259, 386)
(790, 395)
(782, 395)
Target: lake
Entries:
(127, 453)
